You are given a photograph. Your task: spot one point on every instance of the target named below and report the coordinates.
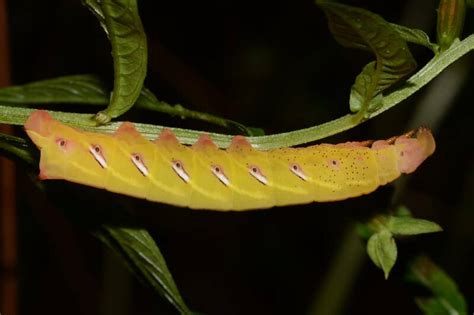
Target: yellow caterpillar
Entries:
(203, 176)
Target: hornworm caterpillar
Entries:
(203, 176)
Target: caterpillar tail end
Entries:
(414, 149)
(38, 127)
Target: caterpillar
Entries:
(202, 176)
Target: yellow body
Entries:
(205, 177)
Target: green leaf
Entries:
(414, 36)
(148, 100)
(403, 211)
(16, 148)
(382, 250)
(362, 29)
(432, 306)
(144, 258)
(411, 226)
(450, 22)
(77, 89)
(121, 21)
(447, 297)
(17, 116)
(365, 231)
(88, 89)
(96, 9)
(358, 90)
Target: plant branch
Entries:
(17, 116)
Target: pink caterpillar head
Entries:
(414, 150)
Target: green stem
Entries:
(18, 116)
(179, 110)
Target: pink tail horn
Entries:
(39, 122)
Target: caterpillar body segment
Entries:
(203, 176)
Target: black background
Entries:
(269, 64)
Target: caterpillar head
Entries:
(412, 151)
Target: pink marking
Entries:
(333, 163)
(239, 143)
(257, 173)
(167, 136)
(354, 144)
(65, 145)
(178, 167)
(126, 129)
(218, 171)
(296, 169)
(380, 144)
(40, 122)
(98, 155)
(62, 143)
(139, 163)
(205, 141)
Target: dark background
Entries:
(269, 64)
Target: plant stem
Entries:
(17, 116)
